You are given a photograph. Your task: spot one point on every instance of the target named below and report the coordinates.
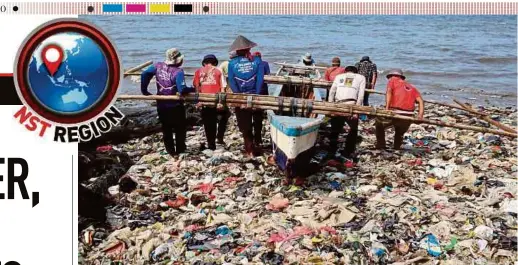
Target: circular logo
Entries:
(67, 71)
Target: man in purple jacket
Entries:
(170, 80)
(245, 76)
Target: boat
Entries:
(293, 138)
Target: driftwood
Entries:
(105, 169)
(485, 117)
(137, 123)
(301, 106)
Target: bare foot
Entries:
(287, 181)
(299, 181)
(271, 160)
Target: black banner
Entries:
(8, 95)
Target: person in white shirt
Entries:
(347, 88)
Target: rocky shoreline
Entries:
(448, 198)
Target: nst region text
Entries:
(70, 133)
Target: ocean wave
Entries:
(141, 53)
(495, 60)
(429, 61)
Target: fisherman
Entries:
(170, 81)
(401, 97)
(347, 88)
(307, 60)
(259, 114)
(209, 79)
(223, 67)
(368, 69)
(334, 70)
(246, 76)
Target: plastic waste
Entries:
(431, 244)
(448, 197)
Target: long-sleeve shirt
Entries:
(169, 83)
(245, 76)
(348, 88)
(266, 67)
(223, 67)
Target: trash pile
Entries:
(449, 197)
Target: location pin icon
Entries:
(52, 56)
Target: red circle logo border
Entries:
(62, 26)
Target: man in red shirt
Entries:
(209, 79)
(400, 98)
(334, 70)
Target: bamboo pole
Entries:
(485, 117)
(319, 107)
(272, 79)
(132, 70)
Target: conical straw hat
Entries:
(242, 43)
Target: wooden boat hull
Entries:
(293, 141)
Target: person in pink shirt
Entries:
(209, 79)
(334, 70)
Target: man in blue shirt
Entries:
(246, 76)
(170, 80)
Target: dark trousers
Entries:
(400, 128)
(173, 119)
(366, 99)
(215, 124)
(337, 125)
(250, 124)
(366, 95)
(257, 117)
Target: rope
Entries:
(196, 97)
(293, 103)
(249, 101)
(302, 108)
(280, 102)
(223, 99)
(309, 108)
(216, 99)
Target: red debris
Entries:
(179, 202)
(205, 187)
(333, 163)
(349, 164)
(302, 230)
(329, 230)
(192, 228)
(104, 148)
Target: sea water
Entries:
(471, 58)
